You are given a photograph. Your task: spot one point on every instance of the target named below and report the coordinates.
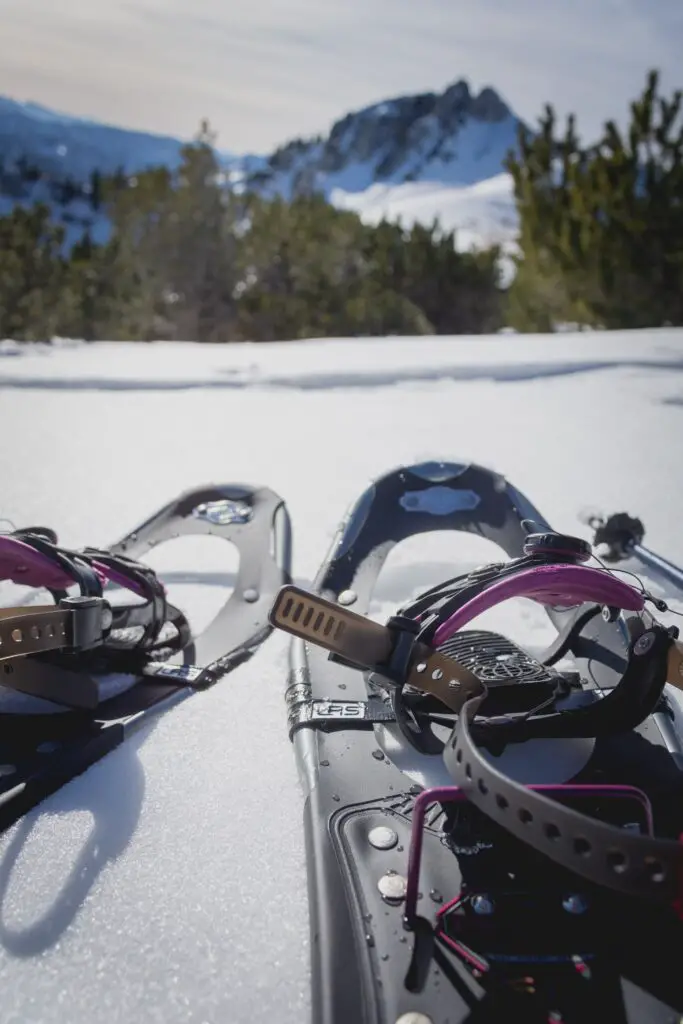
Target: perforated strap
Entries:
(26, 631)
(365, 644)
(605, 855)
(602, 854)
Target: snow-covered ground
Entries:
(154, 888)
(482, 214)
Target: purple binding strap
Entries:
(22, 564)
(551, 584)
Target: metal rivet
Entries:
(347, 597)
(393, 888)
(80, 601)
(251, 595)
(382, 837)
(575, 904)
(483, 904)
(644, 643)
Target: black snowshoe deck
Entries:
(74, 722)
(504, 922)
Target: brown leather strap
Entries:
(34, 630)
(674, 674)
(367, 644)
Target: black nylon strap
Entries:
(329, 714)
(73, 564)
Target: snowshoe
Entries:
(491, 834)
(78, 674)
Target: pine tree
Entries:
(601, 227)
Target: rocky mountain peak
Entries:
(454, 135)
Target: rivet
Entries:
(393, 888)
(382, 837)
(575, 904)
(483, 905)
(644, 643)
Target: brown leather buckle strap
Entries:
(369, 645)
(25, 631)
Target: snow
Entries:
(168, 882)
(482, 215)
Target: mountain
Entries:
(71, 147)
(415, 158)
(453, 138)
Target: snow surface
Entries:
(168, 884)
(482, 215)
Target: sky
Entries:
(265, 71)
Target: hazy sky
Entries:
(263, 71)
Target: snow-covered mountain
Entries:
(414, 158)
(453, 138)
(71, 147)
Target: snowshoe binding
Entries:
(491, 834)
(78, 674)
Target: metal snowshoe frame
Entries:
(392, 674)
(87, 672)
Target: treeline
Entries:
(601, 226)
(189, 257)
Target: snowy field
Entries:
(153, 889)
(482, 214)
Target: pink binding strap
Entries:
(22, 564)
(551, 584)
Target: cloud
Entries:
(263, 71)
